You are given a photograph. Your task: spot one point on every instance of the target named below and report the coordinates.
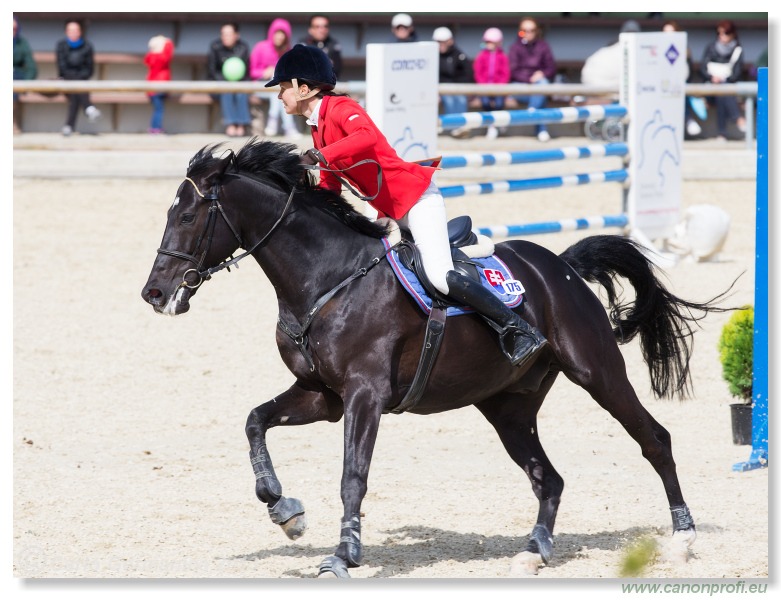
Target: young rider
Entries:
(344, 135)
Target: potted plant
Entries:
(736, 349)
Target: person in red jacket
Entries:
(158, 62)
(343, 135)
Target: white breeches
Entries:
(427, 221)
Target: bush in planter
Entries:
(736, 348)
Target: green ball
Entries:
(233, 69)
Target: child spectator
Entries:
(492, 66)
(158, 62)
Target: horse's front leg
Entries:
(299, 405)
(361, 422)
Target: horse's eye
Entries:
(188, 218)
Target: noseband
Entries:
(208, 235)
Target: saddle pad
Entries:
(494, 275)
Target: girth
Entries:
(460, 234)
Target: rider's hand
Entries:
(312, 157)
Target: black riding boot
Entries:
(519, 340)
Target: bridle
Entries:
(296, 331)
(208, 235)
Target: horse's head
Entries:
(197, 236)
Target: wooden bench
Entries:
(116, 100)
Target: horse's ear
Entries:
(217, 170)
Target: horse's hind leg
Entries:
(514, 416)
(299, 405)
(613, 392)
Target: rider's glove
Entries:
(312, 157)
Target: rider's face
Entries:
(290, 100)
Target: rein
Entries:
(345, 183)
(297, 332)
(208, 233)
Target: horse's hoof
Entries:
(295, 527)
(288, 513)
(525, 563)
(677, 548)
(333, 566)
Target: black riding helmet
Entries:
(305, 63)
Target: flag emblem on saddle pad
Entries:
(498, 280)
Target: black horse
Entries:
(352, 336)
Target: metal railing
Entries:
(744, 89)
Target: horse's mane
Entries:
(280, 165)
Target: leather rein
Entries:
(208, 235)
(297, 332)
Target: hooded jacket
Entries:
(159, 64)
(265, 54)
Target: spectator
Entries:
(158, 62)
(531, 61)
(24, 67)
(403, 29)
(454, 67)
(603, 67)
(722, 62)
(692, 126)
(264, 58)
(234, 106)
(319, 35)
(492, 66)
(76, 61)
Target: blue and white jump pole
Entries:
(759, 415)
(501, 118)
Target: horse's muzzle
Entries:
(175, 304)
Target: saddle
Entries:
(460, 234)
(469, 255)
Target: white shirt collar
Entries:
(312, 120)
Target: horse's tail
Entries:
(664, 321)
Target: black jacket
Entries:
(455, 67)
(75, 63)
(711, 55)
(218, 54)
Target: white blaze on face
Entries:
(173, 303)
(176, 201)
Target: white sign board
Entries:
(402, 96)
(653, 90)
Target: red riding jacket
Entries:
(345, 135)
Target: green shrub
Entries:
(736, 348)
(638, 556)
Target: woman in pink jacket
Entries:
(343, 134)
(491, 65)
(262, 61)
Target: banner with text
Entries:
(653, 90)
(402, 96)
